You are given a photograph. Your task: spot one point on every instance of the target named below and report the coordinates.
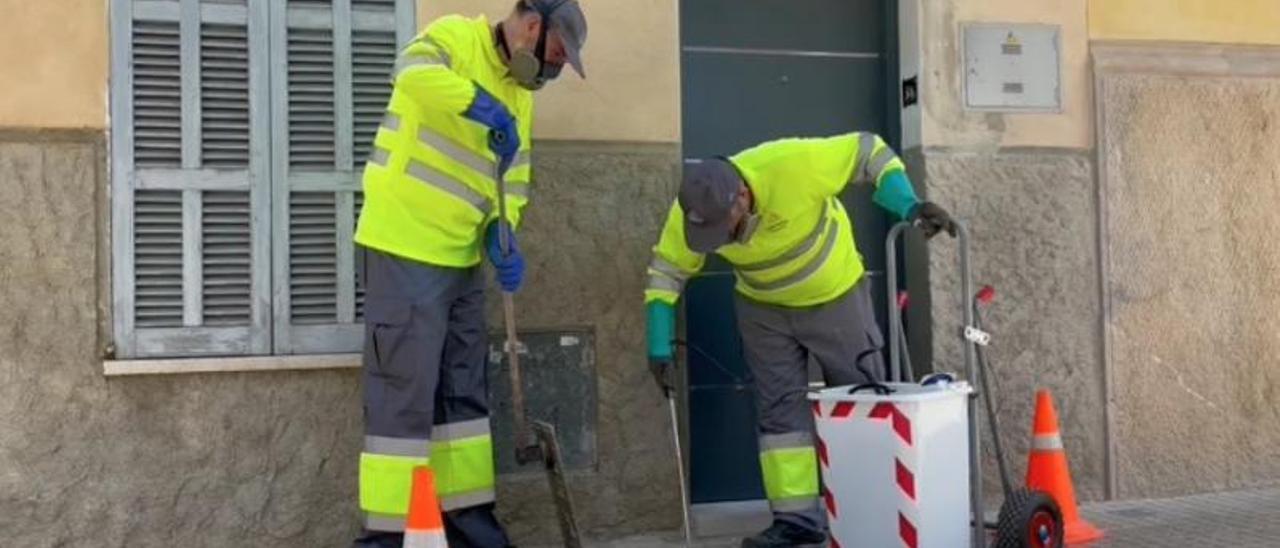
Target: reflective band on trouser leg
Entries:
(789, 464)
(462, 457)
(386, 479)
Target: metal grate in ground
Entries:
(1238, 519)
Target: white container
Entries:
(895, 468)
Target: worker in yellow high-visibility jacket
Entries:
(774, 213)
(429, 216)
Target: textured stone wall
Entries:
(1032, 216)
(217, 460)
(597, 210)
(257, 459)
(1189, 187)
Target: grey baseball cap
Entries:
(707, 194)
(568, 22)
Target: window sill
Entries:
(119, 368)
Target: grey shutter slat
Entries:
(311, 120)
(227, 258)
(313, 282)
(330, 103)
(224, 82)
(157, 258)
(191, 256)
(357, 204)
(157, 94)
(372, 58)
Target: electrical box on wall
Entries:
(1012, 67)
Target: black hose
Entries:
(991, 412)
(714, 362)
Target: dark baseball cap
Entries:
(707, 194)
(565, 18)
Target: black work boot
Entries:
(377, 539)
(785, 535)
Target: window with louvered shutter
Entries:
(189, 109)
(239, 130)
(333, 60)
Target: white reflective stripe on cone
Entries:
(424, 539)
(1051, 442)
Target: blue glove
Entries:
(510, 266)
(504, 138)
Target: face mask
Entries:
(750, 224)
(530, 69)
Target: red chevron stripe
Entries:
(817, 409)
(822, 453)
(907, 531)
(901, 424)
(906, 480)
(830, 500)
(842, 410)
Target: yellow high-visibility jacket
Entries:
(429, 189)
(803, 252)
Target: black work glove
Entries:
(664, 374)
(932, 219)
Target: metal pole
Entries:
(895, 315)
(975, 453)
(684, 493)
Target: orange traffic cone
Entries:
(424, 528)
(1047, 471)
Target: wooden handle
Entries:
(513, 362)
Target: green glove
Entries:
(661, 329)
(661, 326)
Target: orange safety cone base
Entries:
(424, 527)
(1047, 471)
(1081, 532)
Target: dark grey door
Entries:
(756, 70)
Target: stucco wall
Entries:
(1032, 216)
(218, 460)
(632, 90)
(53, 58)
(1235, 22)
(235, 459)
(945, 122)
(598, 210)
(1189, 200)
